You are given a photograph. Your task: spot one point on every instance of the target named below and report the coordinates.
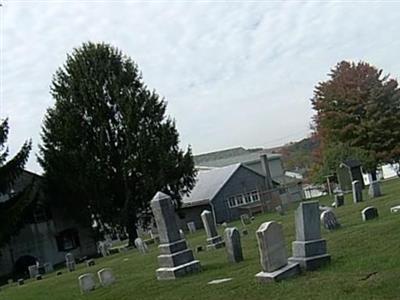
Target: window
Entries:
(231, 202)
(239, 200)
(68, 240)
(255, 196)
(247, 198)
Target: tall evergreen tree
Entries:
(108, 145)
(12, 206)
(358, 109)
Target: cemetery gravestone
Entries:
(357, 191)
(329, 220)
(175, 258)
(273, 255)
(339, 200)
(214, 241)
(309, 250)
(369, 213)
(21, 281)
(374, 189)
(70, 262)
(106, 276)
(141, 246)
(395, 209)
(48, 267)
(245, 219)
(38, 277)
(90, 263)
(182, 234)
(87, 282)
(33, 271)
(233, 245)
(191, 226)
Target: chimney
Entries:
(267, 172)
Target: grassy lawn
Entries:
(365, 265)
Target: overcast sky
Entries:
(233, 73)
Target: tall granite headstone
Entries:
(357, 191)
(214, 241)
(233, 245)
(70, 262)
(273, 255)
(175, 259)
(374, 189)
(309, 249)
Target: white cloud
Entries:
(232, 73)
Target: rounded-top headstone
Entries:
(87, 282)
(369, 213)
(106, 276)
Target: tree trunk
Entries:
(373, 175)
(131, 229)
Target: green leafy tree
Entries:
(13, 205)
(108, 145)
(359, 109)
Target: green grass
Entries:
(358, 249)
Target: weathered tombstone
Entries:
(10, 281)
(279, 210)
(214, 241)
(90, 263)
(175, 258)
(245, 219)
(357, 191)
(21, 281)
(329, 220)
(33, 271)
(182, 234)
(339, 200)
(48, 267)
(225, 225)
(141, 246)
(369, 213)
(309, 250)
(233, 245)
(273, 255)
(86, 282)
(102, 248)
(38, 277)
(374, 189)
(395, 209)
(191, 226)
(70, 262)
(106, 276)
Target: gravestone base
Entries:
(309, 248)
(311, 263)
(179, 271)
(291, 269)
(215, 243)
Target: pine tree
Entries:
(358, 109)
(13, 206)
(108, 145)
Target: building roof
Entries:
(209, 183)
(248, 157)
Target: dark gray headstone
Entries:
(70, 262)
(38, 277)
(175, 258)
(357, 191)
(369, 213)
(309, 250)
(374, 189)
(233, 245)
(329, 220)
(339, 200)
(90, 263)
(214, 241)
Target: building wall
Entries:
(192, 214)
(38, 240)
(243, 181)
